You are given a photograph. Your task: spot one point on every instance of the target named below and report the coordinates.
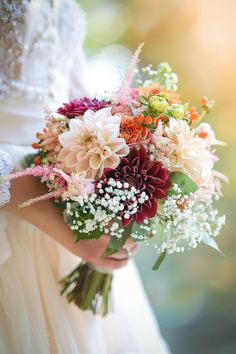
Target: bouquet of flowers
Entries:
(138, 163)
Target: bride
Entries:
(41, 55)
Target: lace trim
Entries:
(6, 167)
(12, 21)
(5, 249)
(25, 70)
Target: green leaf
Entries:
(183, 181)
(115, 243)
(143, 100)
(95, 234)
(159, 261)
(28, 160)
(208, 240)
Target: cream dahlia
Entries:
(92, 143)
(189, 153)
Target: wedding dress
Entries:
(41, 55)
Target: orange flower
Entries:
(194, 115)
(203, 134)
(39, 136)
(204, 101)
(173, 97)
(145, 120)
(132, 130)
(154, 90)
(162, 117)
(37, 160)
(35, 145)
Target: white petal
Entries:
(88, 116)
(95, 162)
(70, 159)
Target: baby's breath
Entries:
(186, 223)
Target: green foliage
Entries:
(159, 261)
(28, 160)
(143, 100)
(115, 243)
(184, 182)
(82, 217)
(84, 286)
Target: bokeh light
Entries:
(193, 295)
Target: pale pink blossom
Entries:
(190, 153)
(93, 143)
(46, 173)
(205, 131)
(122, 109)
(78, 185)
(126, 95)
(214, 187)
(162, 144)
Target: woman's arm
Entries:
(49, 219)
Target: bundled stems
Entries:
(88, 288)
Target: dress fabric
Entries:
(41, 55)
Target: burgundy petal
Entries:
(147, 176)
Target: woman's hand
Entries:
(92, 250)
(49, 219)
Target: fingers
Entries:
(94, 247)
(92, 250)
(129, 243)
(111, 263)
(122, 253)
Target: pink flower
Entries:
(49, 137)
(78, 185)
(78, 107)
(121, 109)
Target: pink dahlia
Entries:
(78, 107)
(146, 176)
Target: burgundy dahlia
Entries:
(146, 176)
(77, 107)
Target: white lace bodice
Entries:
(40, 44)
(5, 168)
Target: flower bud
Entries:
(177, 111)
(165, 67)
(158, 104)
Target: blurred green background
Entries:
(194, 294)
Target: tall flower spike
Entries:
(51, 195)
(36, 171)
(47, 111)
(124, 94)
(44, 172)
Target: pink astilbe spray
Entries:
(47, 173)
(47, 196)
(37, 171)
(125, 95)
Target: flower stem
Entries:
(88, 288)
